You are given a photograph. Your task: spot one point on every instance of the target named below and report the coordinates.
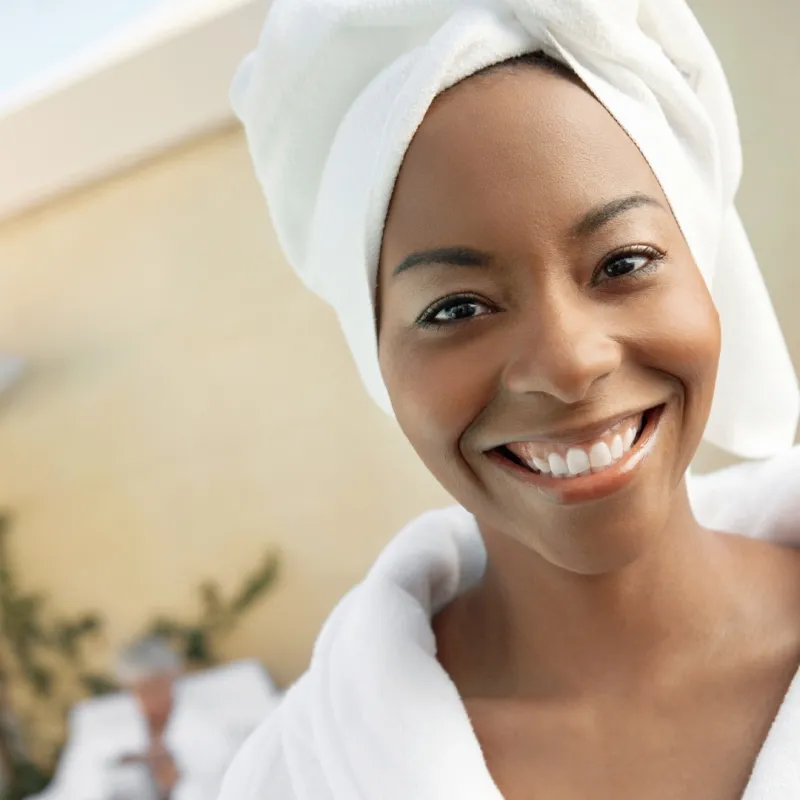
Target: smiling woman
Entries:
(579, 325)
(524, 219)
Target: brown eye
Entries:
(624, 266)
(457, 312)
(451, 310)
(630, 263)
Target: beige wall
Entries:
(189, 404)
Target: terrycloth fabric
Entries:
(336, 89)
(376, 716)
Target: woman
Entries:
(518, 208)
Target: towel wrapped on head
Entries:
(336, 89)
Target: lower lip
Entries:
(596, 485)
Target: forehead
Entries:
(507, 146)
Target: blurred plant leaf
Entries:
(40, 679)
(30, 639)
(27, 779)
(68, 635)
(97, 685)
(88, 623)
(168, 628)
(256, 584)
(21, 618)
(197, 647)
(213, 607)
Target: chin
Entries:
(595, 538)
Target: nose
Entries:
(562, 350)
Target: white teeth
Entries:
(557, 465)
(600, 456)
(542, 466)
(577, 461)
(583, 460)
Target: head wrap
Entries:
(336, 89)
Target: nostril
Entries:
(564, 367)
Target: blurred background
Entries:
(185, 447)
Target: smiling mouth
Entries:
(582, 470)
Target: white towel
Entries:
(336, 89)
(376, 716)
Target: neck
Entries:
(545, 631)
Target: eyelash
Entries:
(428, 317)
(653, 255)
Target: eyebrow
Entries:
(588, 224)
(605, 213)
(453, 256)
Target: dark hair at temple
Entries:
(539, 60)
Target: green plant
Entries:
(197, 640)
(35, 650)
(27, 778)
(41, 653)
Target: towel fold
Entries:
(336, 89)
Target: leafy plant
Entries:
(41, 653)
(198, 640)
(35, 650)
(27, 778)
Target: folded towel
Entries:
(376, 716)
(336, 89)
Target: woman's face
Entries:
(548, 343)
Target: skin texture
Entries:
(615, 648)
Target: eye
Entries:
(635, 261)
(450, 310)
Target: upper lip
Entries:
(575, 435)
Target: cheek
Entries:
(437, 388)
(681, 337)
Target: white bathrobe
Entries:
(376, 717)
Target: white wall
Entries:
(39, 36)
